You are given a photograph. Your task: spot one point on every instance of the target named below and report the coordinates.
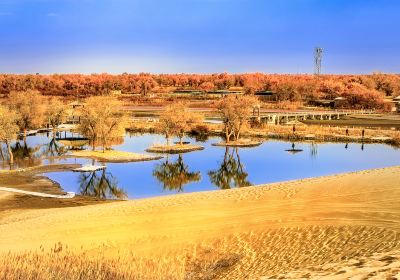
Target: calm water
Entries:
(211, 169)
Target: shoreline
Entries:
(307, 133)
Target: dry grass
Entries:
(200, 262)
(113, 156)
(64, 265)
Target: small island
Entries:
(114, 156)
(174, 149)
(234, 112)
(239, 143)
(173, 124)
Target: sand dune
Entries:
(313, 227)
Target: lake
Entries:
(210, 169)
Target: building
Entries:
(115, 92)
(187, 92)
(339, 102)
(326, 103)
(266, 95)
(396, 101)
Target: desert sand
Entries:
(335, 227)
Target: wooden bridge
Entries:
(276, 117)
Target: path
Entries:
(67, 195)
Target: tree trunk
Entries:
(104, 145)
(10, 152)
(238, 135)
(226, 135)
(54, 131)
(25, 135)
(1, 152)
(180, 140)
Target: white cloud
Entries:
(52, 15)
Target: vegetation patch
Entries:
(174, 149)
(114, 156)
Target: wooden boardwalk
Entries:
(281, 117)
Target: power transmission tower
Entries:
(317, 60)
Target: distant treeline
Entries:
(360, 91)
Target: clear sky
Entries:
(203, 36)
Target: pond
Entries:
(210, 169)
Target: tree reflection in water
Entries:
(174, 175)
(25, 156)
(100, 184)
(53, 148)
(231, 173)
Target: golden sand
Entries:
(311, 227)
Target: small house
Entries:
(223, 92)
(326, 103)
(396, 101)
(186, 92)
(339, 102)
(266, 95)
(115, 92)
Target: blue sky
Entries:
(202, 36)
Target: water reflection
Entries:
(54, 148)
(313, 150)
(293, 150)
(24, 155)
(174, 175)
(231, 172)
(100, 184)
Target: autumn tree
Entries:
(56, 113)
(145, 83)
(101, 120)
(235, 112)
(176, 120)
(8, 129)
(30, 107)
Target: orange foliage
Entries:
(359, 88)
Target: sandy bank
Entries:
(114, 156)
(32, 180)
(259, 231)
